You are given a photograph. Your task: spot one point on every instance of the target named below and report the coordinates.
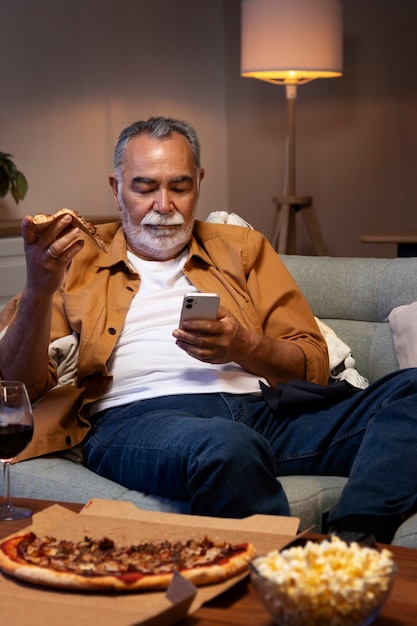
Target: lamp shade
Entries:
(291, 41)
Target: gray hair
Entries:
(158, 128)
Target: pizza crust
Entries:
(42, 221)
(12, 564)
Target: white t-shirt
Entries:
(146, 362)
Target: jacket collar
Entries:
(117, 249)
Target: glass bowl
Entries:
(321, 593)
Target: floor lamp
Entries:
(290, 43)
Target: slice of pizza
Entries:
(103, 566)
(41, 221)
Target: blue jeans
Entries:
(221, 453)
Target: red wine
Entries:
(13, 439)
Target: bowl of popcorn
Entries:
(331, 583)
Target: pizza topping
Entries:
(102, 558)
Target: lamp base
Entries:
(284, 230)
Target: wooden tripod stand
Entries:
(287, 207)
(284, 235)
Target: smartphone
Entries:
(202, 306)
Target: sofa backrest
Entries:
(354, 296)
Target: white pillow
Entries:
(403, 324)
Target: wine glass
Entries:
(16, 430)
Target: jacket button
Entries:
(68, 440)
(111, 330)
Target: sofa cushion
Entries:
(311, 497)
(54, 478)
(355, 296)
(406, 534)
(63, 480)
(403, 324)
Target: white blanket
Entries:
(64, 351)
(340, 354)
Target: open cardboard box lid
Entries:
(29, 605)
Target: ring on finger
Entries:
(51, 254)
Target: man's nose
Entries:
(162, 202)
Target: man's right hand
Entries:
(49, 253)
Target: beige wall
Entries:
(78, 71)
(74, 73)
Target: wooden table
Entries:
(406, 241)
(239, 606)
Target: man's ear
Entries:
(114, 184)
(200, 178)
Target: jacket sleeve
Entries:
(282, 309)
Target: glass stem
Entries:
(7, 503)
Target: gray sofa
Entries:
(354, 296)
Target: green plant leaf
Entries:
(11, 179)
(21, 184)
(15, 193)
(4, 181)
(10, 167)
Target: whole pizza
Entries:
(100, 565)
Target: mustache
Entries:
(153, 218)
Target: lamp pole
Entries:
(291, 95)
(287, 206)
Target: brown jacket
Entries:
(237, 263)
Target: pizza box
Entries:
(30, 605)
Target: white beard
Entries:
(156, 243)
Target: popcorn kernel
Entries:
(330, 582)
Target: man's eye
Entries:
(181, 189)
(144, 190)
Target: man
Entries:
(177, 412)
